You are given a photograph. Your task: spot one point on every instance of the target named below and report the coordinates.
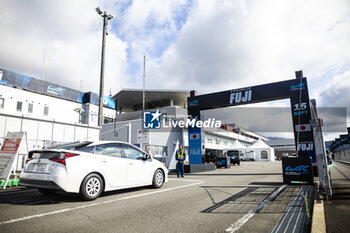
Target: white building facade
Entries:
(47, 112)
(163, 142)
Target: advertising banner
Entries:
(297, 170)
(8, 153)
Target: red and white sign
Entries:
(194, 136)
(10, 145)
(142, 137)
(8, 153)
(303, 128)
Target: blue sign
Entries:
(195, 145)
(151, 120)
(109, 102)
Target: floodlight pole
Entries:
(105, 17)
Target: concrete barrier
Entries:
(343, 155)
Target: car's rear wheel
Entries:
(91, 187)
(47, 192)
(158, 179)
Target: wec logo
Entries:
(297, 86)
(300, 168)
(193, 103)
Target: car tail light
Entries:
(28, 159)
(63, 161)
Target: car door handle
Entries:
(103, 161)
(131, 164)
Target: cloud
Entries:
(70, 32)
(206, 45)
(244, 43)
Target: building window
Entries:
(93, 118)
(264, 154)
(46, 110)
(107, 120)
(2, 102)
(19, 106)
(30, 108)
(157, 150)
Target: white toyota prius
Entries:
(92, 169)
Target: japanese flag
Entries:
(194, 136)
(303, 128)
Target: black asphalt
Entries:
(206, 202)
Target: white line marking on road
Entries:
(95, 204)
(288, 208)
(240, 222)
(301, 208)
(291, 217)
(182, 179)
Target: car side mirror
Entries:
(146, 156)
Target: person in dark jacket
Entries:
(180, 158)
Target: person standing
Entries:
(180, 158)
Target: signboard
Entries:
(8, 153)
(296, 90)
(142, 137)
(18, 80)
(195, 143)
(297, 170)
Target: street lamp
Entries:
(105, 17)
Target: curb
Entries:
(342, 161)
(318, 224)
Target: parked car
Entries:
(223, 161)
(92, 169)
(210, 156)
(234, 156)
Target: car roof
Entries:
(100, 142)
(70, 145)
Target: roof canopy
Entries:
(131, 99)
(259, 144)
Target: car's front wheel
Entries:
(158, 179)
(91, 187)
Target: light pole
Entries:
(105, 17)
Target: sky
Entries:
(206, 45)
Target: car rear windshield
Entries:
(45, 155)
(71, 146)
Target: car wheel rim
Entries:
(159, 178)
(93, 186)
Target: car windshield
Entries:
(233, 153)
(71, 146)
